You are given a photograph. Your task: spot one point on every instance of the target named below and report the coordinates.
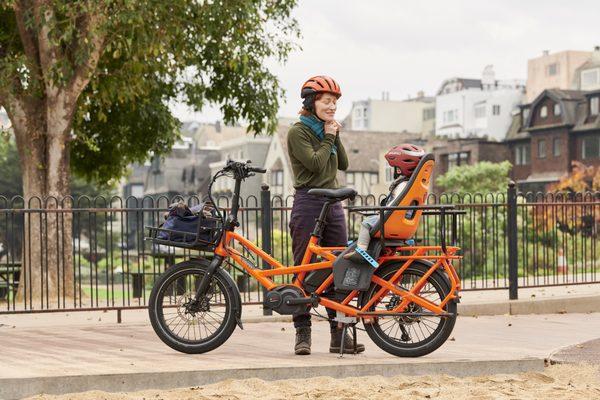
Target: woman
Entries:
(316, 153)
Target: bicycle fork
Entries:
(205, 282)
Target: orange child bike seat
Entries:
(402, 224)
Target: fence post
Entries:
(513, 252)
(265, 206)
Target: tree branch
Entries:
(49, 54)
(92, 37)
(27, 37)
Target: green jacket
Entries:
(313, 163)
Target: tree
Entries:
(88, 83)
(582, 178)
(582, 184)
(483, 177)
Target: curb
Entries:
(555, 305)
(22, 387)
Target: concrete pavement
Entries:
(68, 355)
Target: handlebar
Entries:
(257, 170)
(242, 170)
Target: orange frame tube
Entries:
(263, 276)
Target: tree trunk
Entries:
(47, 273)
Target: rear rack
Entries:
(204, 239)
(442, 210)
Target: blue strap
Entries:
(367, 257)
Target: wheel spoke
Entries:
(192, 324)
(420, 329)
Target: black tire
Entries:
(437, 287)
(175, 286)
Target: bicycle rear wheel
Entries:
(184, 324)
(411, 336)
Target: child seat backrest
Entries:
(402, 224)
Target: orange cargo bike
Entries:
(406, 297)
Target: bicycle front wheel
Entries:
(187, 325)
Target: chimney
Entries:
(218, 126)
(488, 78)
(596, 54)
(546, 52)
(420, 94)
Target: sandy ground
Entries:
(559, 381)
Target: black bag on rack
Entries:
(181, 218)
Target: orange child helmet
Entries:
(406, 157)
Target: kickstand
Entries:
(354, 337)
(345, 321)
(344, 329)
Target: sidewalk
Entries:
(70, 355)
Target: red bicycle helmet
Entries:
(320, 84)
(406, 157)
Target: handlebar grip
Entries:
(259, 170)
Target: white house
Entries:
(587, 76)
(468, 108)
(247, 147)
(385, 115)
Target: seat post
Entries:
(320, 225)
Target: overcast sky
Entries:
(406, 46)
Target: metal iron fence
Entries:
(509, 240)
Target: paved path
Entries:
(76, 355)
(587, 352)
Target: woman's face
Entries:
(326, 106)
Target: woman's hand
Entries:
(332, 127)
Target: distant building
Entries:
(476, 108)
(247, 147)
(553, 71)
(279, 176)
(185, 171)
(546, 136)
(387, 115)
(587, 76)
(459, 152)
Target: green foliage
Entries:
(282, 247)
(482, 177)
(150, 54)
(11, 184)
(10, 178)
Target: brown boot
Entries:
(303, 341)
(336, 341)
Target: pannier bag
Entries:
(181, 218)
(349, 275)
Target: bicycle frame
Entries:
(435, 254)
(440, 256)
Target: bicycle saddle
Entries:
(334, 194)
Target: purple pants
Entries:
(305, 211)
